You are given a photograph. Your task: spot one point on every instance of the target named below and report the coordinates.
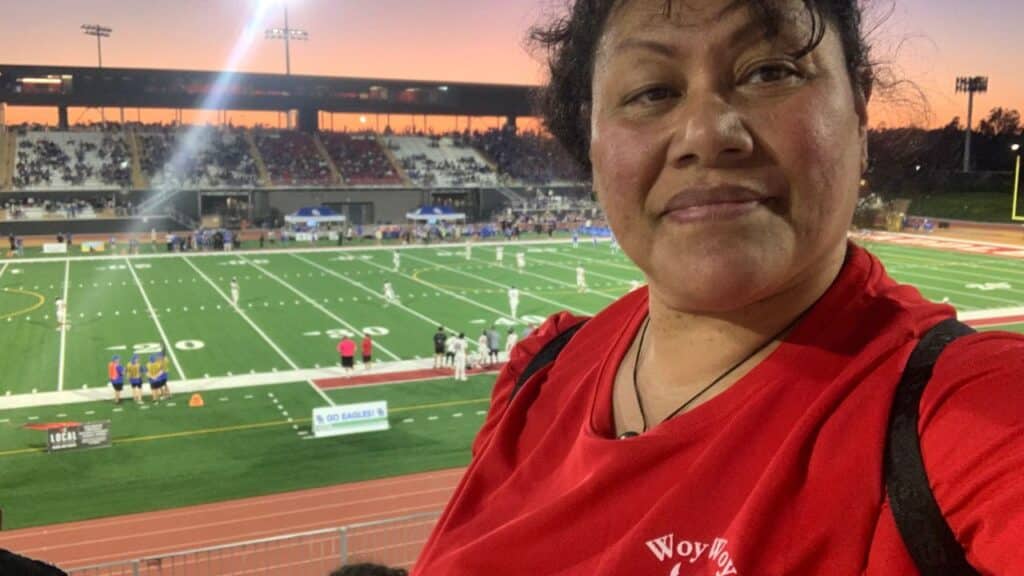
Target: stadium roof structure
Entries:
(64, 86)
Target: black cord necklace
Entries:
(702, 391)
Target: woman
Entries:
(731, 417)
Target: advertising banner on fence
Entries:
(350, 419)
(78, 436)
(303, 237)
(55, 248)
(88, 247)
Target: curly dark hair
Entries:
(571, 41)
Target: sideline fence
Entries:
(394, 542)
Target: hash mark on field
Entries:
(5, 421)
(431, 417)
(457, 415)
(118, 409)
(90, 412)
(408, 420)
(33, 417)
(62, 415)
(481, 412)
(248, 396)
(170, 404)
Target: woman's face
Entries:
(728, 170)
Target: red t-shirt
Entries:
(347, 347)
(779, 474)
(367, 347)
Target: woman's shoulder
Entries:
(972, 441)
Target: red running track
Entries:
(89, 542)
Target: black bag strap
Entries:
(926, 534)
(546, 356)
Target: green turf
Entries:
(167, 456)
(293, 308)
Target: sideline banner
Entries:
(350, 419)
(79, 436)
(93, 246)
(55, 248)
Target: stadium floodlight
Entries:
(971, 85)
(287, 34)
(99, 32)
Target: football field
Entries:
(263, 365)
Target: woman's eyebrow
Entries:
(751, 32)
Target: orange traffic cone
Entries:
(196, 401)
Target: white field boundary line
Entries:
(440, 289)
(202, 385)
(358, 284)
(919, 241)
(991, 313)
(940, 287)
(289, 250)
(547, 278)
(500, 285)
(607, 263)
(156, 320)
(64, 329)
(589, 272)
(315, 304)
(257, 329)
(997, 268)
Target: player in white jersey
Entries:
(396, 259)
(499, 255)
(520, 261)
(513, 300)
(389, 294)
(510, 342)
(469, 251)
(482, 351)
(593, 239)
(234, 291)
(581, 279)
(62, 313)
(459, 348)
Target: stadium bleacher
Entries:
(56, 160)
(360, 159)
(220, 157)
(442, 161)
(526, 156)
(292, 158)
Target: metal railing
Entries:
(393, 542)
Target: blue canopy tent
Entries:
(435, 214)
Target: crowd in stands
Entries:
(34, 208)
(359, 158)
(291, 158)
(71, 159)
(441, 161)
(220, 157)
(526, 156)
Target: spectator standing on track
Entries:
(115, 373)
(263, 240)
(347, 352)
(440, 339)
(459, 349)
(11, 240)
(367, 346)
(493, 344)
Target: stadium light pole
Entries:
(100, 32)
(971, 85)
(287, 34)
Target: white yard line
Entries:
(64, 328)
(258, 330)
(156, 320)
(315, 304)
(4, 269)
(562, 282)
(358, 284)
(524, 292)
(440, 289)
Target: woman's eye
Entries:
(652, 95)
(771, 73)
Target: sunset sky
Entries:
(471, 40)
